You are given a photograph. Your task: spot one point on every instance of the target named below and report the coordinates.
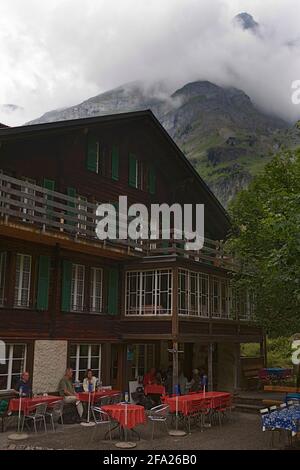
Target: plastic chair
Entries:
(158, 414)
(55, 410)
(38, 415)
(101, 418)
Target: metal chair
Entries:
(55, 411)
(115, 398)
(38, 415)
(101, 418)
(223, 404)
(158, 414)
(105, 400)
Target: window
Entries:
(96, 290)
(149, 292)
(2, 276)
(142, 359)
(193, 293)
(15, 364)
(83, 357)
(77, 288)
(220, 298)
(93, 154)
(22, 285)
(133, 171)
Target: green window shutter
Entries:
(92, 159)
(49, 184)
(66, 286)
(152, 181)
(43, 283)
(113, 281)
(115, 163)
(72, 193)
(132, 171)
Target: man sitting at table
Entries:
(23, 385)
(90, 382)
(67, 390)
(196, 381)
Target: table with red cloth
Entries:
(185, 401)
(96, 396)
(135, 414)
(28, 404)
(154, 389)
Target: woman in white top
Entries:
(90, 382)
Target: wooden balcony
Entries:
(31, 212)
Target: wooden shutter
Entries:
(115, 163)
(92, 159)
(132, 171)
(113, 294)
(152, 180)
(66, 286)
(43, 283)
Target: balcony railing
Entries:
(28, 203)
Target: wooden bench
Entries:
(250, 368)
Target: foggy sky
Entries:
(56, 53)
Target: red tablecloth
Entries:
(96, 396)
(154, 389)
(28, 403)
(184, 401)
(135, 414)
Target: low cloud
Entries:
(57, 53)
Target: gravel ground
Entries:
(242, 431)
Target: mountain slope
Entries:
(223, 134)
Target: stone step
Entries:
(247, 408)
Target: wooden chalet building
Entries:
(67, 298)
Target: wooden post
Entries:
(210, 366)
(175, 326)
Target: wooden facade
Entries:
(59, 283)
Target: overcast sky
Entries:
(56, 53)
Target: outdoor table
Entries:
(154, 389)
(28, 403)
(184, 401)
(128, 416)
(286, 418)
(95, 396)
(135, 414)
(275, 372)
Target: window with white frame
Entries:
(13, 365)
(149, 292)
(83, 357)
(77, 290)
(22, 283)
(193, 293)
(142, 359)
(220, 297)
(2, 276)
(96, 281)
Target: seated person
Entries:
(149, 378)
(23, 385)
(90, 382)
(182, 383)
(203, 379)
(196, 381)
(67, 390)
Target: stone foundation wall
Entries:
(50, 360)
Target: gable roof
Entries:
(8, 133)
